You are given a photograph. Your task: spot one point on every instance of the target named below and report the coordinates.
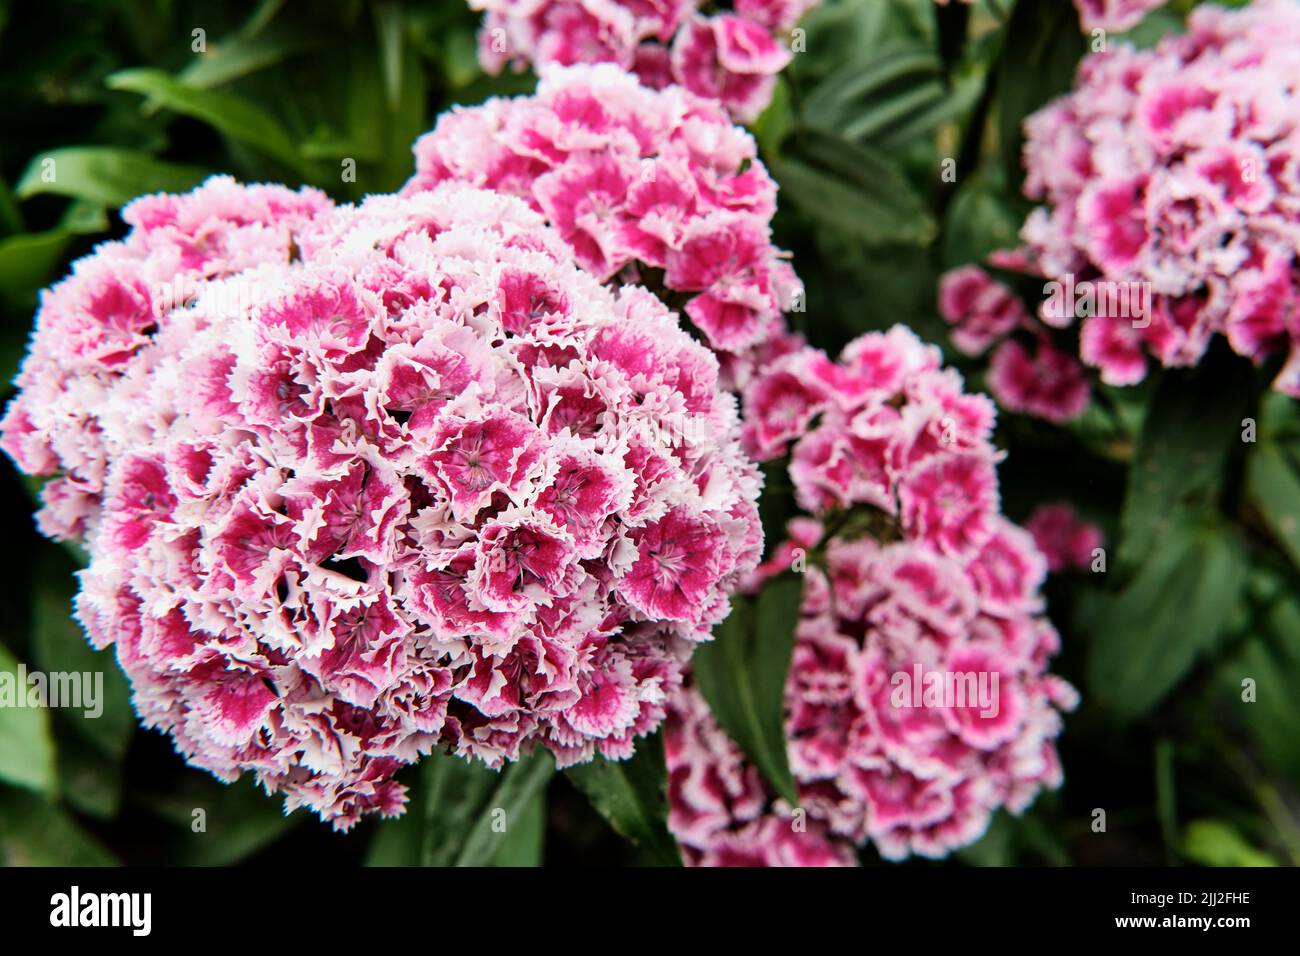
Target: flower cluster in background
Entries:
(1067, 541)
(911, 568)
(731, 56)
(1173, 175)
(1026, 374)
(394, 477)
(650, 186)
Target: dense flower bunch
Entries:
(423, 482)
(912, 573)
(1171, 178)
(644, 185)
(732, 56)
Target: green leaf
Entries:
(1215, 843)
(1147, 638)
(245, 53)
(1273, 484)
(932, 111)
(397, 842)
(89, 782)
(851, 189)
(34, 832)
(977, 223)
(453, 791)
(858, 93)
(389, 29)
(742, 675)
(1270, 660)
(520, 783)
(220, 823)
(449, 818)
(774, 124)
(29, 260)
(465, 813)
(631, 794)
(230, 114)
(1194, 420)
(107, 175)
(59, 645)
(522, 844)
(1043, 46)
(26, 744)
(460, 57)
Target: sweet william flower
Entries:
(1067, 541)
(908, 569)
(732, 57)
(1168, 176)
(1045, 382)
(654, 185)
(425, 483)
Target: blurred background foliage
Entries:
(1201, 590)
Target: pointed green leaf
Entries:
(523, 843)
(107, 175)
(631, 794)
(230, 114)
(454, 792)
(35, 832)
(742, 675)
(1147, 638)
(519, 783)
(105, 718)
(851, 189)
(1215, 843)
(1273, 484)
(26, 744)
(1193, 421)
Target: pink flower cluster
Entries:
(919, 576)
(719, 809)
(732, 56)
(1067, 541)
(1171, 177)
(396, 476)
(1031, 376)
(644, 185)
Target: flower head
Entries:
(414, 490)
(918, 700)
(654, 184)
(1169, 190)
(732, 57)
